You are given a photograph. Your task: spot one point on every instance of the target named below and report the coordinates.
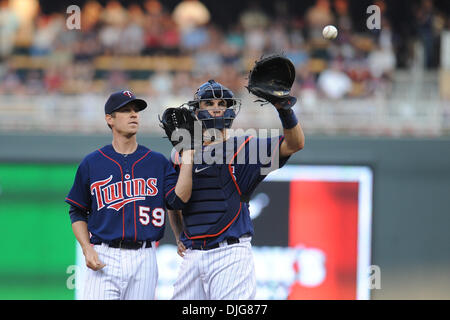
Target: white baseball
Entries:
(329, 32)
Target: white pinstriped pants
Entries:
(128, 275)
(225, 273)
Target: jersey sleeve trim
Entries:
(231, 162)
(275, 150)
(77, 204)
(177, 160)
(169, 192)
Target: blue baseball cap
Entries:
(120, 98)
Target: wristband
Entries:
(288, 118)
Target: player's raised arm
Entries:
(183, 188)
(271, 79)
(294, 138)
(178, 123)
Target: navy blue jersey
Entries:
(243, 166)
(124, 195)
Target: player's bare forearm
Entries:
(80, 230)
(183, 188)
(176, 223)
(294, 140)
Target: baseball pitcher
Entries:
(117, 207)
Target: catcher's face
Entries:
(215, 107)
(125, 120)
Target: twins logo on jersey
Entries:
(116, 195)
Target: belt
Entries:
(126, 244)
(215, 246)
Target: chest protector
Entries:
(215, 201)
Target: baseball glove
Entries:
(174, 119)
(271, 79)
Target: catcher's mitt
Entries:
(174, 119)
(271, 79)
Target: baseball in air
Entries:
(330, 32)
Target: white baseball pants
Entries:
(225, 273)
(128, 275)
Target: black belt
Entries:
(126, 244)
(215, 246)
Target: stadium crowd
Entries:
(40, 54)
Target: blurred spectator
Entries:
(333, 82)
(90, 15)
(367, 59)
(317, 17)
(254, 17)
(343, 22)
(33, 83)
(235, 37)
(429, 25)
(153, 8)
(131, 39)
(10, 83)
(343, 19)
(189, 14)
(278, 38)
(53, 80)
(161, 82)
(114, 14)
(170, 37)
(47, 30)
(114, 19)
(207, 61)
(26, 10)
(9, 23)
(152, 35)
(255, 41)
(86, 47)
(194, 38)
(230, 55)
(381, 60)
(109, 37)
(117, 79)
(136, 14)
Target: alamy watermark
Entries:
(239, 146)
(73, 21)
(374, 20)
(374, 277)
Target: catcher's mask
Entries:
(213, 90)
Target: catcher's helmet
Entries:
(213, 90)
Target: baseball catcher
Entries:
(214, 229)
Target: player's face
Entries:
(125, 120)
(215, 107)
